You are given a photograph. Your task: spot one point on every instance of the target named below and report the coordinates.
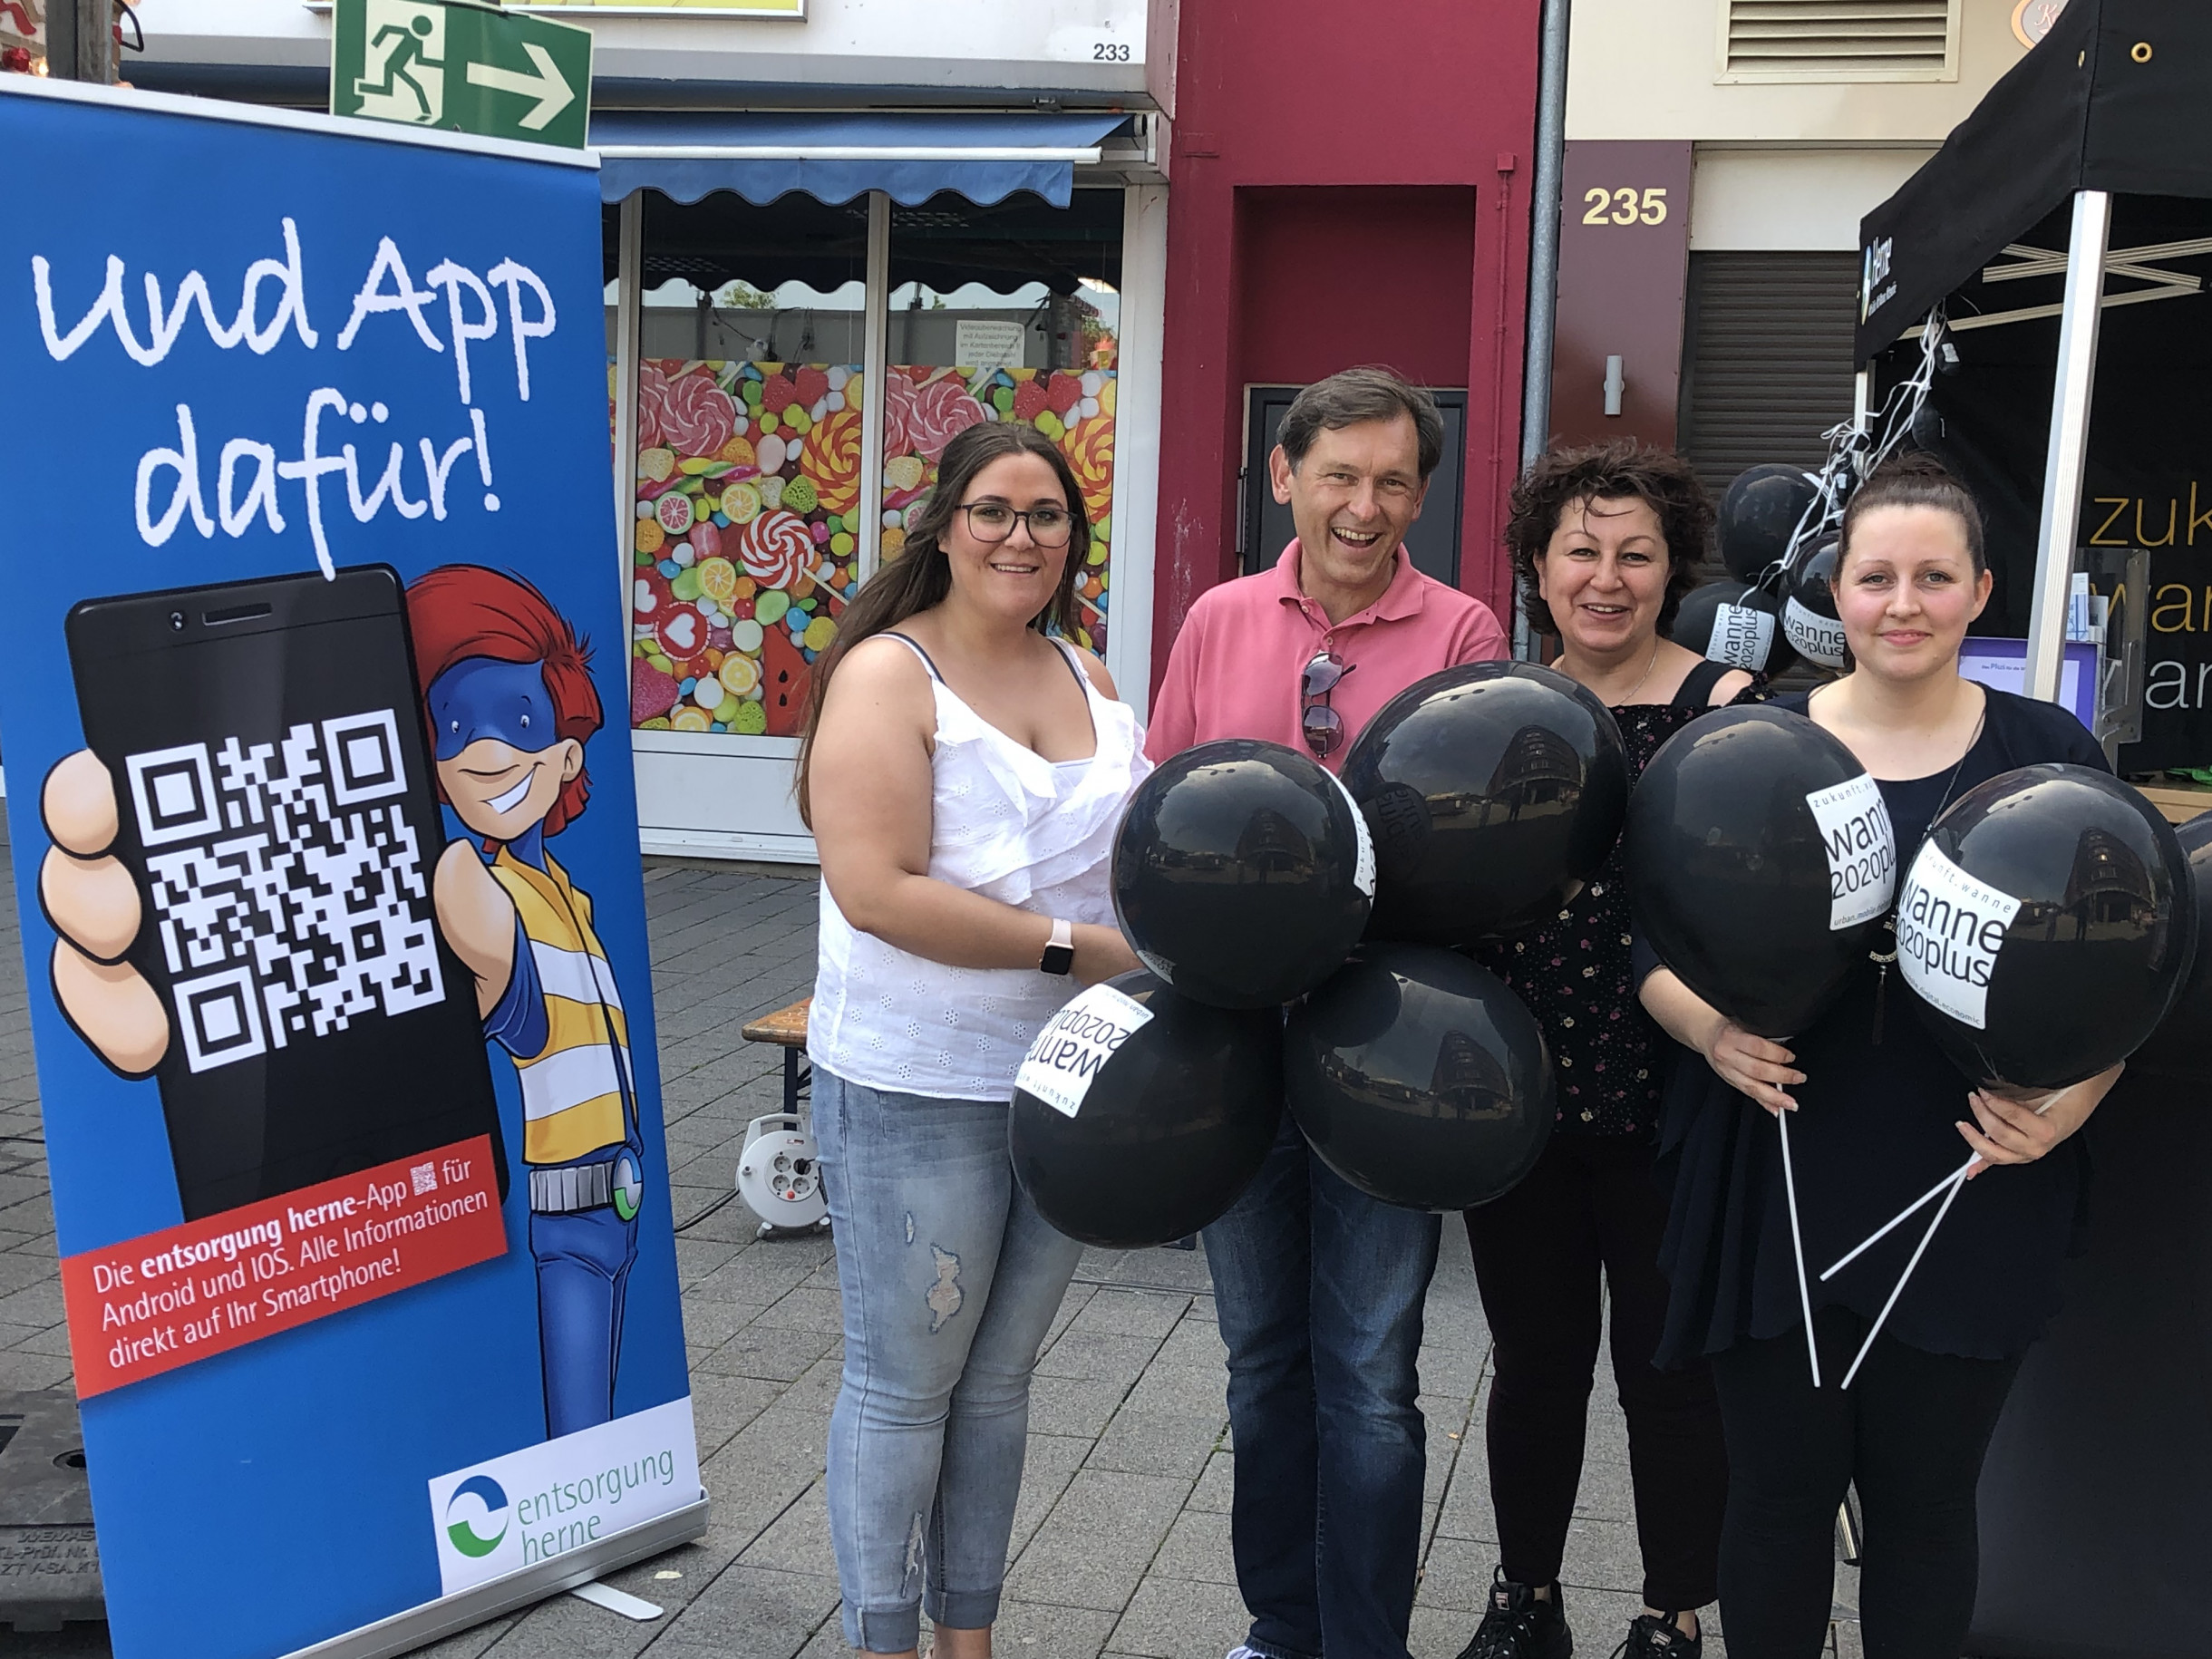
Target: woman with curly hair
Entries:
(1604, 541)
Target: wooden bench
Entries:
(787, 1029)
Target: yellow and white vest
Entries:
(574, 1088)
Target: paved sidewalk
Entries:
(1122, 1539)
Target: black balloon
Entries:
(1780, 656)
(1242, 873)
(1758, 514)
(1809, 606)
(1419, 1078)
(1693, 618)
(1711, 622)
(1170, 1127)
(1493, 790)
(2182, 1045)
(2082, 972)
(1736, 884)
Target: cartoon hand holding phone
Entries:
(255, 904)
(94, 903)
(240, 881)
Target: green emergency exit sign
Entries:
(462, 67)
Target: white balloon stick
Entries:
(1898, 1221)
(1957, 1182)
(1797, 1246)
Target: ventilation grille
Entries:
(1840, 40)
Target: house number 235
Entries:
(1624, 206)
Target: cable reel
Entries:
(778, 1175)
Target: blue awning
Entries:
(686, 155)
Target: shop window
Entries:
(748, 478)
(1007, 312)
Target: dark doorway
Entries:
(1264, 528)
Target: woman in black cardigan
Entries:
(1881, 1114)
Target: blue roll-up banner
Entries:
(312, 677)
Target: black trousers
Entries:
(1590, 1208)
(1911, 1431)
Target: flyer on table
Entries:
(313, 669)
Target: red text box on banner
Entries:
(151, 1304)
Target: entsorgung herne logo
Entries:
(468, 1532)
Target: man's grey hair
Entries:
(1353, 396)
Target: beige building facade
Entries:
(1789, 119)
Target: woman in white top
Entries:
(962, 773)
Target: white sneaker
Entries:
(1241, 1652)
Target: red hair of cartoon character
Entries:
(458, 612)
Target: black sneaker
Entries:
(1520, 1626)
(1660, 1638)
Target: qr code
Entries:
(288, 887)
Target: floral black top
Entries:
(1575, 972)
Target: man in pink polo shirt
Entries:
(1318, 1288)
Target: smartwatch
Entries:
(1059, 950)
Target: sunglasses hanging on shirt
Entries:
(1322, 726)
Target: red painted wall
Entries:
(1320, 298)
(1307, 231)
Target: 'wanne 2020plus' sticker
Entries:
(1950, 928)
(1862, 850)
(1363, 870)
(1075, 1043)
(1743, 637)
(1818, 638)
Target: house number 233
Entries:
(1624, 206)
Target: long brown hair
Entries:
(921, 577)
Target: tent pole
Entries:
(2069, 450)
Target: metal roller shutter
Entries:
(1767, 366)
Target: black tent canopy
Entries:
(2117, 98)
(2115, 102)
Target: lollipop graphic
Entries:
(775, 548)
(832, 461)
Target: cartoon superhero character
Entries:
(509, 703)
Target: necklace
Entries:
(1639, 686)
(1884, 958)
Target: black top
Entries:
(1872, 1132)
(1573, 972)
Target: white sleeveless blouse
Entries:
(1009, 824)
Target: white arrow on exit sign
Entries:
(543, 83)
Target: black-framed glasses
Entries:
(994, 521)
(1321, 725)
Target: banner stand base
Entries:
(418, 1626)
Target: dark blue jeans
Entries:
(583, 1267)
(1318, 1289)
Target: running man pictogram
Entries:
(403, 76)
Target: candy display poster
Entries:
(747, 529)
(745, 539)
(1074, 407)
(312, 672)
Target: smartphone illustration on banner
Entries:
(279, 817)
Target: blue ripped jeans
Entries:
(950, 1279)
